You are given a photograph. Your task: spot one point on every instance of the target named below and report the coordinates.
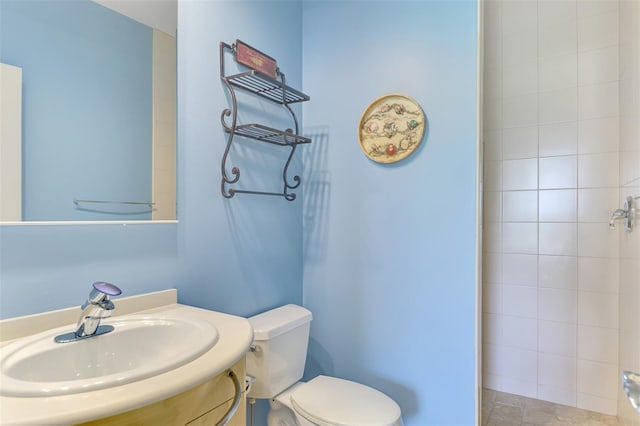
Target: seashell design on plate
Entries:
(391, 128)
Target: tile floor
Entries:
(503, 409)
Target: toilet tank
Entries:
(280, 338)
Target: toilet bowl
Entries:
(277, 361)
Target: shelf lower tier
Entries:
(268, 134)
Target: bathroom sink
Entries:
(139, 347)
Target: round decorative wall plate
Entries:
(391, 128)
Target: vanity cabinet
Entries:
(204, 404)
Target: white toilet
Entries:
(277, 362)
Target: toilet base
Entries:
(282, 412)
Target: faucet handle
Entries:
(102, 290)
(107, 288)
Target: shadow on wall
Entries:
(316, 187)
(318, 361)
(265, 230)
(398, 393)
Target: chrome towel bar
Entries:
(140, 203)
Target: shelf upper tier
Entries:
(268, 134)
(266, 87)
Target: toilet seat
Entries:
(329, 401)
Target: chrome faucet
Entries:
(626, 214)
(96, 308)
(617, 214)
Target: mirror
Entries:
(88, 110)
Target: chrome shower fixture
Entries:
(627, 214)
(631, 386)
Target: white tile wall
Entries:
(492, 268)
(520, 364)
(492, 145)
(558, 139)
(598, 66)
(520, 206)
(518, 300)
(493, 55)
(598, 404)
(556, 12)
(520, 174)
(558, 272)
(520, 111)
(598, 100)
(558, 239)
(558, 39)
(558, 205)
(558, 72)
(562, 396)
(519, 17)
(630, 167)
(492, 82)
(598, 170)
(558, 105)
(596, 7)
(520, 79)
(599, 274)
(557, 371)
(598, 344)
(554, 130)
(558, 305)
(519, 47)
(520, 142)
(557, 338)
(558, 172)
(596, 205)
(629, 302)
(492, 299)
(493, 206)
(492, 114)
(492, 176)
(598, 309)
(493, 358)
(597, 31)
(518, 386)
(597, 240)
(520, 269)
(597, 379)
(599, 135)
(521, 333)
(491, 329)
(520, 238)
(492, 237)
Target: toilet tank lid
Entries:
(270, 324)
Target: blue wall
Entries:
(389, 258)
(47, 267)
(87, 107)
(385, 255)
(242, 255)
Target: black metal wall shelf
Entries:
(268, 134)
(262, 85)
(274, 90)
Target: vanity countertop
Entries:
(235, 337)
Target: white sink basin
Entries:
(139, 347)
